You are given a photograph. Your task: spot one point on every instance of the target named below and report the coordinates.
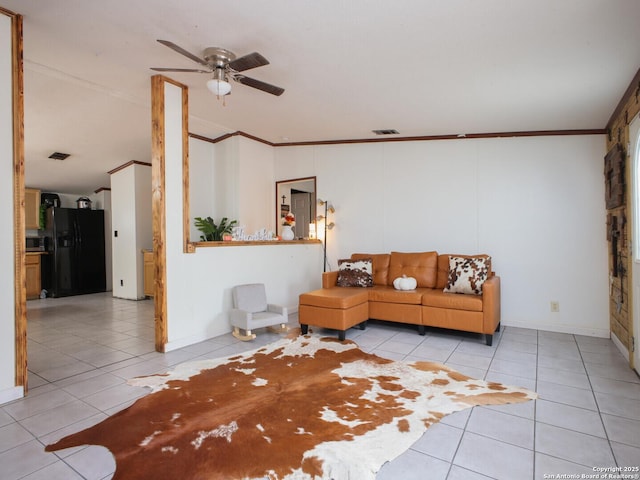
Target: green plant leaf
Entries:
(211, 231)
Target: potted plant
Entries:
(288, 222)
(211, 231)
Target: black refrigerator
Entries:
(75, 263)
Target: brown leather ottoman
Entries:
(337, 308)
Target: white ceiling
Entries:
(348, 67)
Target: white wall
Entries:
(199, 292)
(202, 182)
(226, 178)
(226, 182)
(536, 204)
(256, 182)
(8, 390)
(198, 286)
(69, 200)
(124, 284)
(144, 221)
(131, 218)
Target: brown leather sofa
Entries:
(341, 308)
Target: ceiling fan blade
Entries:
(182, 51)
(247, 62)
(160, 69)
(260, 85)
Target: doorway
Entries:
(22, 309)
(301, 209)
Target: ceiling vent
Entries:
(59, 156)
(386, 132)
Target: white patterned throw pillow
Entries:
(466, 275)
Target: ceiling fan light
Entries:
(219, 88)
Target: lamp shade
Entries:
(218, 87)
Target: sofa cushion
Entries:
(466, 275)
(451, 301)
(422, 266)
(385, 293)
(443, 267)
(355, 273)
(337, 297)
(379, 266)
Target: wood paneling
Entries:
(615, 180)
(633, 90)
(620, 258)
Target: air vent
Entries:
(386, 132)
(59, 156)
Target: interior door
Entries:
(301, 209)
(634, 150)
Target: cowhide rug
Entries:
(303, 408)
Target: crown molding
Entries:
(128, 164)
(423, 138)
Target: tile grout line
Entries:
(595, 398)
(535, 405)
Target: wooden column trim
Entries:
(158, 209)
(18, 202)
(187, 246)
(20, 292)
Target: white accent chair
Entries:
(251, 311)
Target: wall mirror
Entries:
(298, 196)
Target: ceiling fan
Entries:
(223, 64)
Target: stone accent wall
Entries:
(620, 261)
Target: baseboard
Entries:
(185, 342)
(616, 341)
(134, 299)
(11, 394)
(573, 330)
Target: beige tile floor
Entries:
(83, 349)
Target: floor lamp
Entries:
(328, 208)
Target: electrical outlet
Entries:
(555, 306)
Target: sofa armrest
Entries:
(491, 304)
(329, 279)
